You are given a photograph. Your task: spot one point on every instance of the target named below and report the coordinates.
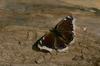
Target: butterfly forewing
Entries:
(65, 24)
(66, 28)
(46, 42)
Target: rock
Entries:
(39, 60)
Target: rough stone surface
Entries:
(22, 22)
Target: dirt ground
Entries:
(22, 24)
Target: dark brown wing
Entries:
(46, 42)
(59, 37)
(66, 29)
(65, 24)
(60, 45)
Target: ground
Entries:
(22, 23)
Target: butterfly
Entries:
(59, 37)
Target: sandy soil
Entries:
(21, 25)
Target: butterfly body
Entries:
(59, 37)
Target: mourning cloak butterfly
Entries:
(59, 37)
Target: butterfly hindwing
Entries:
(60, 45)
